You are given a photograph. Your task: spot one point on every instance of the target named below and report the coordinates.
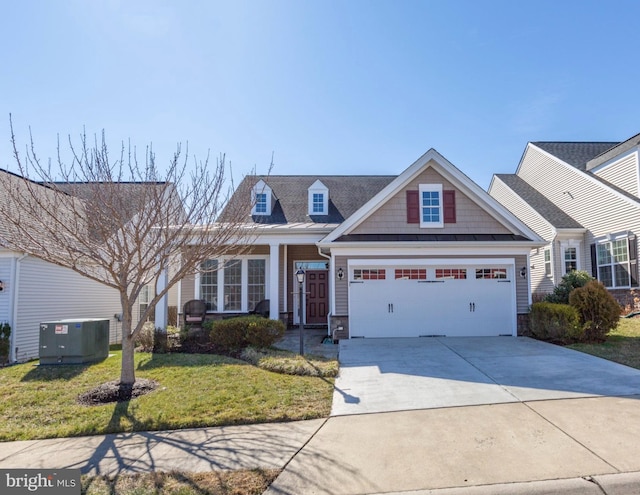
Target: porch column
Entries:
(161, 307)
(274, 277)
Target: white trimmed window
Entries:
(570, 259)
(235, 285)
(261, 199)
(547, 263)
(318, 195)
(431, 212)
(613, 263)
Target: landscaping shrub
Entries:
(146, 338)
(569, 282)
(5, 342)
(555, 322)
(235, 334)
(599, 311)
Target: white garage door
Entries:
(437, 300)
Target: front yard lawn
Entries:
(622, 345)
(195, 390)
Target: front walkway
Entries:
(313, 342)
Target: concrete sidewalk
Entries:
(576, 446)
(269, 446)
(584, 445)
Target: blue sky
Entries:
(329, 87)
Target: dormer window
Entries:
(318, 199)
(262, 199)
(261, 203)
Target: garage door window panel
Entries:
(451, 273)
(369, 274)
(491, 273)
(411, 274)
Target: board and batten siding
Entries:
(599, 209)
(622, 172)
(391, 217)
(47, 292)
(342, 286)
(5, 295)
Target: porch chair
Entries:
(194, 312)
(262, 309)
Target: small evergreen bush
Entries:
(599, 311)
(555, 322)
(235, 334)
(569, 282)
(5, 342)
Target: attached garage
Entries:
(432, 297)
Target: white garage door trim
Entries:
(389, 310)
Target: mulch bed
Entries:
(116, 392)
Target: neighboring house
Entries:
(424, 253)
(35, 291)
(583, 199)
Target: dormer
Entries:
(261, 199)
(318, 199)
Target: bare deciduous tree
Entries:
(119, 222)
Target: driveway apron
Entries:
(385, 375)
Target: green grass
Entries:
(622, 344)
(241, 482)
(195, 390)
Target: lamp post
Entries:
(300, 278)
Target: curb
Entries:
(607, 484)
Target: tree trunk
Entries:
(127, 373)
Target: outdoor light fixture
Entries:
(1, 285)
(300, 278)
(340, 273)
(523, 272)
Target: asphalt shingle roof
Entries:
(576, 154)
(613, 152)
(547, 209)
(346, 195)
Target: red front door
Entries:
(317, 296)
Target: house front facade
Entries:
(424, 253)
(583, 199)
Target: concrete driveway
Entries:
(385, 375)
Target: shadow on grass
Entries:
(180, 359)
(49, 372)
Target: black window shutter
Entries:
(413, 207)
(594, 262)
(449, 203)
(633, 260)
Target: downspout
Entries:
(331, 287)
(15, 277)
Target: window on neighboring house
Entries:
(261, 203)
(209, 284)
(146, 294)
(431, 205)
(235, 285)
(613, 263)
(570, 259)
(547, 262)
(318, 203)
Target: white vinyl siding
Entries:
(536, 168)
(540, 283)
(623, 172)
(5, 295)
(50, 293)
